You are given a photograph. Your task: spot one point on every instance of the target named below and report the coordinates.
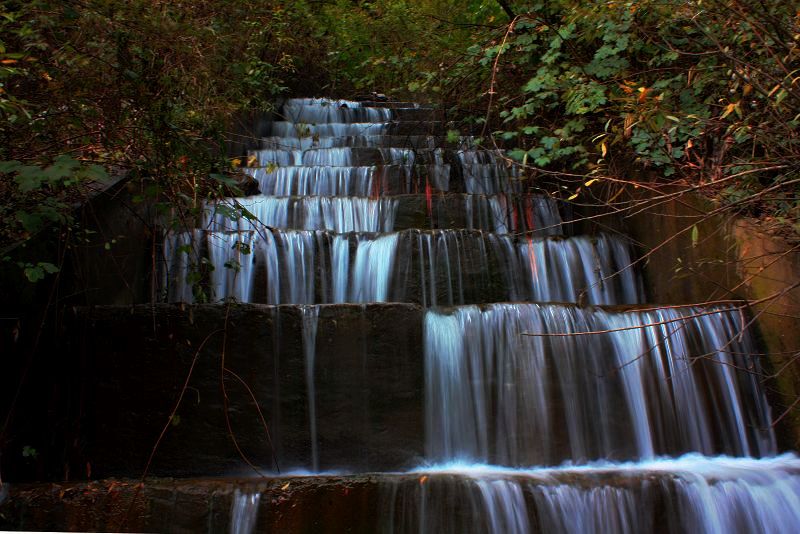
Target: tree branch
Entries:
(507, 9)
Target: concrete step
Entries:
(331, 129)
(131, 363)
(498, 213)
(334, 156)
(375, 140)
(430, 267)
(343, 156)
(396, 104)
(650, 497)
(344, 113)
(386, 180)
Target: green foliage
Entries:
(398, 46)
(145, 87)
(698, 90)
(36, 196)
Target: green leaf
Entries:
(34, 274)
(549, 142)
(30, 221)
(9, 166)
(695, 235)
(48, 267)
(517, 154)
(29, 177)
(96, 173)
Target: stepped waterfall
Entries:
(556, 399)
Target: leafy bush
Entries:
(146, 87)
(702, 91)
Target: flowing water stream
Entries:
(547, 408)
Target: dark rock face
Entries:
(368, 382)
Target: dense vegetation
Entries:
(701, 93)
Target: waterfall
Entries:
(327, 129)
(676, 380)
(352, 141)
(343, 112)
(546, 408)
(441, 267)
(339, 214)
(685, 494)
(233, 261)
(595, 269)
(503, 214)
(244, 512)
(310, 322)
(338, 156)
(373, 269)
(489, 172)
(317, 181)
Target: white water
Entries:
(487, 172)
(352, 141)
(592, 270)
(328, 129)
(310, 323)
(317, 181)
(339, 157)
(441, 267)
(338, 214)
(677, 381)
(244, 512)
(338, 112)
(692, 493)
(359, 181)
(502, 214)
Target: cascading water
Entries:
(310, 322)
(489, 172)
(244, 512)
(339, 214)
(540, 416)
(691, 493)
(440, 267)
(327, 129)
(676, 380)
